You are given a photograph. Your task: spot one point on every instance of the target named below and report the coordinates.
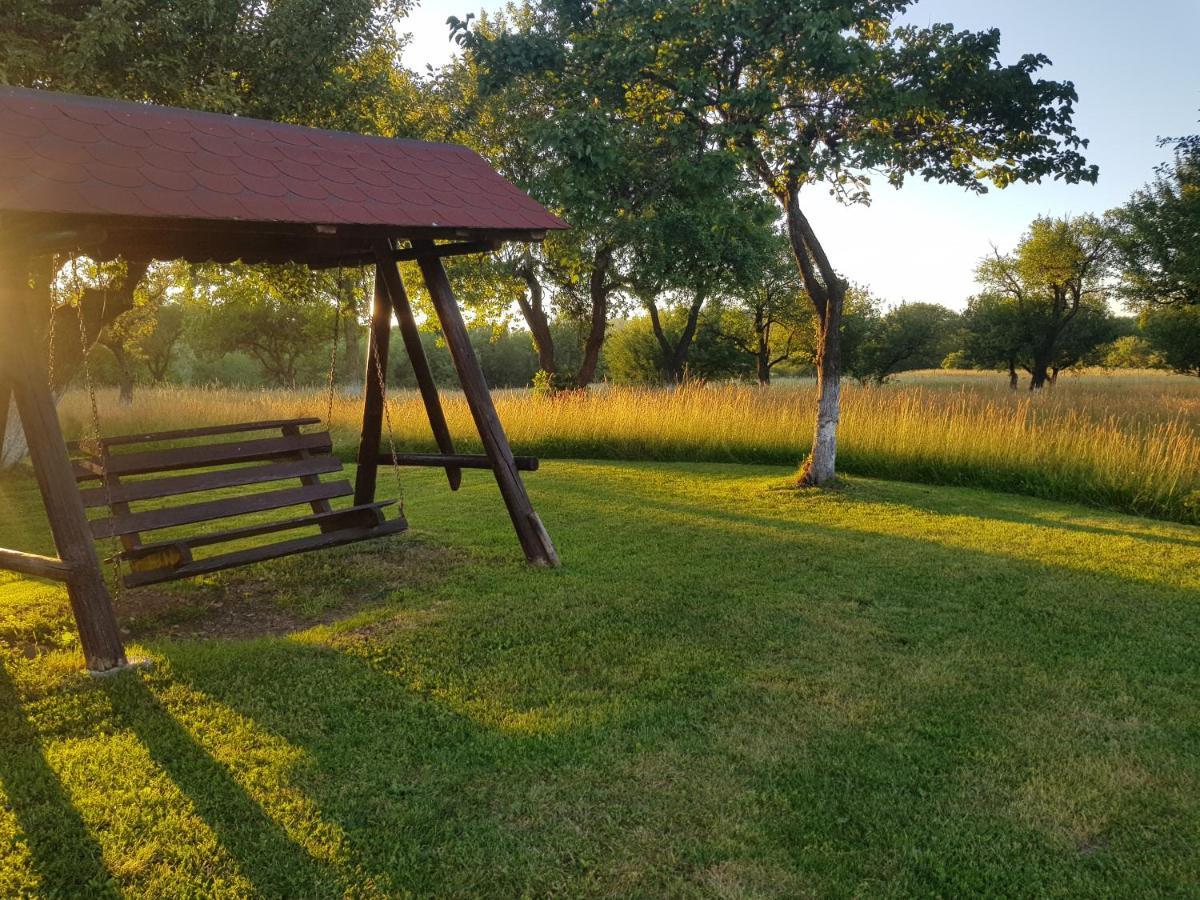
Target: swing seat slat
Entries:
(177, 459)
(253, 555)
(180, 485)
(195, 513)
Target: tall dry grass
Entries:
(1128, 441)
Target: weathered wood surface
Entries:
(151, 462)
(532, 535)
(378, 351)
(90, 600)
(369, 516)
(31, 564)
(321, 504)
(181, 485)
(206, 431)
(457, 460)
(209, 510)
(262, 554)
(411, 335)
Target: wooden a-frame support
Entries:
(390, 296)
(78, 566)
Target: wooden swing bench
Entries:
(193, 468)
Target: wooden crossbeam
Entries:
(32, 564)
(457, 460)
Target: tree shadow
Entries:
(64, 855)
(263, 852)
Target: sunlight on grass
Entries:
(732, 685)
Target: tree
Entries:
(287, 60)
(1130, 351)
(994, 335)
(705, 234)
(1157, 233)
(1059, 265)
(587, 165)
(160, 345)
(1173, 334)
(910, 336)
(811, 92)
(776, 319)
(281, 316)
(1083, 343)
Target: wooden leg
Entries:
(90, 600)
(377, 361)
(385, 253)
(534, 540)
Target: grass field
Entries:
(1122, 441)
(732, 689)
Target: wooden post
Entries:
(378, 348)
(535, 541)
(90, 600)
(385, 254)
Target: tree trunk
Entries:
(675, 356)
(598, 289)
(821, 466)
(828, 294)
(533, 308)
(1053, 375)
(1039, 374)
(125, 376)
(353, 350)
(762, 353)
(13, 446)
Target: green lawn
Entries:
(731, 689)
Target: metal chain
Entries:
(52, 361)
(97, 430)
(333, 356)
(387, 416)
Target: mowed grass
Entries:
(1129, 442)
(731, 689)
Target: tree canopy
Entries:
(1157, 233)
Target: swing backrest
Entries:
(155, 482)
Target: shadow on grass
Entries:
(263, 852)
(64, 855)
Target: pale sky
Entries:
(1136, 71)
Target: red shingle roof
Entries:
(63, 154)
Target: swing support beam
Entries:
(390, 296)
